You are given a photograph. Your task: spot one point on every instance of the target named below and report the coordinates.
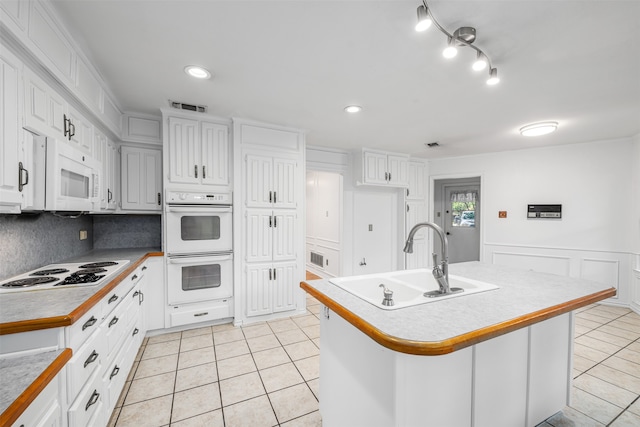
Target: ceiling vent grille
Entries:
(188, 107)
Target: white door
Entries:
(374, 248)
(184, 151)
(462, 222)
(215, 154)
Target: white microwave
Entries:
(72, 179)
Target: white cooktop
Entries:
(63, 276)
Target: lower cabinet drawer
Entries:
(116, 374)
(81, 330)
(84, 363)
(188, 314)
(115, 325)
(88, 404)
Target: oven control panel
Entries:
(193, 198)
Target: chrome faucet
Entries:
(440, 271)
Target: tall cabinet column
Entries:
(269, 166)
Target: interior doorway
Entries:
(324, 223)
(457, 211)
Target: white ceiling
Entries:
(299, 63)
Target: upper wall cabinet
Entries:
(141, 177)
(43, 38)
(197, 151)
(417, 180)
(381, 168)
(10, 118)
(271, 181)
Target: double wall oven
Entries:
(199, 246)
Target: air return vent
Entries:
(317, 259)
(188, 107)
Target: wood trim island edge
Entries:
(11, 414)
(435, 348)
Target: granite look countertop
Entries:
(441, 327)
(24, 377)
(40, 309)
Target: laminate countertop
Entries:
(25, 376)
(441, 327)
(42, 309)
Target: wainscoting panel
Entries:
(601, 270)
(543, 263)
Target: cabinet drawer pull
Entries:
(89, 323)
(92, 358)
(135, 294)
(94, 398)
(144, 268)
(113, 321)
(114, 372)
(113, 298)
(135, 332)
(201, 314)
(134, 277)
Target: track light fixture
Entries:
(463, 36)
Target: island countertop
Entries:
(441, 327)
(42, 309)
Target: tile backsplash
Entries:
(127, 231)
(30, 241)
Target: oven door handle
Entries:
(199, 209)
(199, 259)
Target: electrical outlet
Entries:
(83, 234)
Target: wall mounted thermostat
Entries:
(544, 211)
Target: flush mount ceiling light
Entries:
(463, 36)
(353, 108)
(537, 129)
(197, 72)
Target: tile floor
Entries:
(267, 375)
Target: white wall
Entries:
(635, 226)
(593, 181)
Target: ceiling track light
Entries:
(463, 36)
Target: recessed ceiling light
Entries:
(353, 108)
(197, 72)
(537, 129)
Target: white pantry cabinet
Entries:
(417, 175)
(374, 167)
(141, 178)
(10, 121)
(268, 229)
(198, 151)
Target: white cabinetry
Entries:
(141, 178)
(104, 343)
(10, 128)
(382, 168)
(106, 152)
(198, 151)
(46, 409)
(269, 168)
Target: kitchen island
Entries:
(498, 358)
